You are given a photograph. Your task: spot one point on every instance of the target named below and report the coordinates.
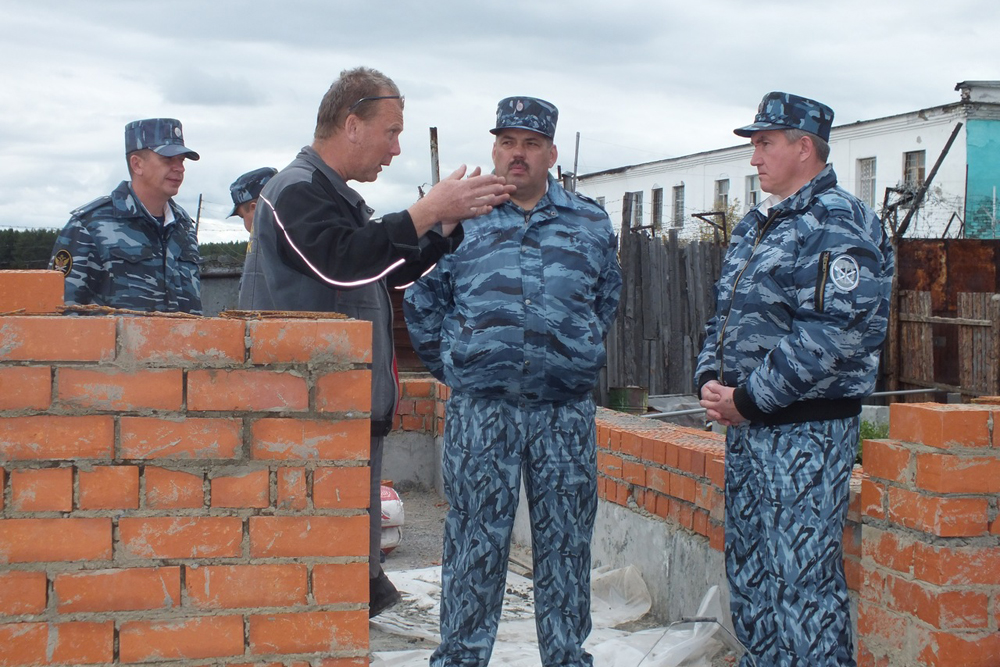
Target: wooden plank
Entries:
(930, 319)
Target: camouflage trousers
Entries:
(787, 490)
(487, 445)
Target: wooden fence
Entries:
(978, 332)
(666, 299)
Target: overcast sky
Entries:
(639, 81)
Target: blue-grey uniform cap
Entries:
(784, 111)
(160, 135)
(527, 113)
(248, 186)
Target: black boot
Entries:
(381, 595)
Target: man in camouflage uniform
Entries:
(245, 190)
(514, 323)
(793, 348)
(136, 248)
(315, 247)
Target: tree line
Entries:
(31, 249)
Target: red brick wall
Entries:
(930, 593)
(180, 490)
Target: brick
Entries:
(131, 589)
(683, 487)
(247, 391)
(112, 389)
(78, 643)
(672, 454)
(887, 627)
(35, 291)
(958, 566)
(308, 536)
(872, 499)
(41, 338)
(852, 539)
(658, 480)
(346, 391)
(152, 438)
(25, 388)
(940, 425)
(416, 388)
(309, 632)
(345, 440)
(631, 444)
(342, 488)
(610, 464)
(945, 517)
(247, 586)
(52, 540)
(182, 639)
(23, 592)
(173, 489)
(248, 489)
(947, 649)
(312, 341)
(292, 491)
(888, 460)
(57, 437)
(109, 488)
(41, 490)
(181, 537)
(165, 341)
(888, 549)
(634, 473)
(852, 573)
(715, 470)
(699, 522)
(939, 608)
(654, 450)
(947, 473)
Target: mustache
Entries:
(517, 163)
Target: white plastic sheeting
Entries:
(618, 597)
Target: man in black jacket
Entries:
(314, 246)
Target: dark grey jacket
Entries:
(314, 247)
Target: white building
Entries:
(869, 157)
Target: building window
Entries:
(722, 195)
(636, 219)
(913, 168)
(753, 191)
(866, 180)
(657, 209)
(678, 212)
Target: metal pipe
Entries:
(677, 413)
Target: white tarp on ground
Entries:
(618, 596)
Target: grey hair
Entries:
(821, 147)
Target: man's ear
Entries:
(553, 155)
(352, 126)
(135, 163)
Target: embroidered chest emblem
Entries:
(845, 273)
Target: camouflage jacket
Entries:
(520, 310)
(113, 253)
(802, 307)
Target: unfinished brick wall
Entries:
(180, 491)
(931, 539)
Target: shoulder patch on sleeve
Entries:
(63, 261)
(87, 208)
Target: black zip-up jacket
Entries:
(314, 247)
